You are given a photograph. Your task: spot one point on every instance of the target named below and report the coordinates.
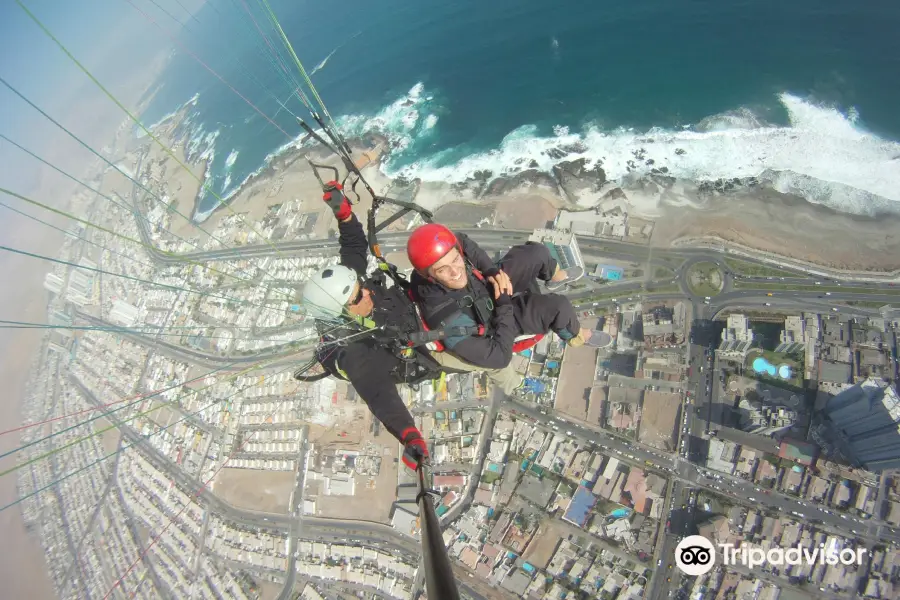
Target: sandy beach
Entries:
(684, 213)
(789, 226)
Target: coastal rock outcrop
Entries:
(725, 186)
(616, 193)
(529, 178)
(576, 177)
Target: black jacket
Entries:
(491, 351)
(371, 364)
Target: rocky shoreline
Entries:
(748, 211)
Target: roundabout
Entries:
(704, 279)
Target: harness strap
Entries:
(435, 335)
(450, 307)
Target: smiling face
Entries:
(360, 303)
(450, 271)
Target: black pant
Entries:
(536, 312)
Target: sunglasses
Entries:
(358, 297)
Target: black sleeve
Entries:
(494, 351)
(478, 257)
(354, 246)
(368, 369)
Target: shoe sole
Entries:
(559, 285)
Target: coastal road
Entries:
(296, 510)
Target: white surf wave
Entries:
(232, 156)
(140, 133)
(294, 144)
(201, 148)
(742, 118)
(823, 155)
(403, 122)
(324, 62)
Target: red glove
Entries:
(415, 449)
(337, 201)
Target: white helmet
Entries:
(326, 292)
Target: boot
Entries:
(561, 278)
(579, 340)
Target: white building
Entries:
(123, 313)
(737, 337)
(81, 283)
(793, 338)
(563, 247)
(53, 283)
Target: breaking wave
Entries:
(824, 155)
(324, 62)
(192, 101)
(410, 119)
(232, 156)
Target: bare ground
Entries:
(788, 226)
(463, 214)
(543, 544)
(110, 436)
(374, 496)
(269, 590)
(660, 414)
(525, 212)
(265, 491)
(575, 381)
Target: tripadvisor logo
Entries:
(696, 555)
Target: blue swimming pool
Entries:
(763, 366)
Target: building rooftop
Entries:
(803, 453)
(580, 506)
(837, 372)
(516, 582)
(536, 490)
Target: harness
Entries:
(408, 341)
(478, 306)
(413, 365)
(397, 334)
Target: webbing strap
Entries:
(436, 335)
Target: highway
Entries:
(184, 354)
(296, 510)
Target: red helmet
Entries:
(429, 244)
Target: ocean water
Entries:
(805, 91)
